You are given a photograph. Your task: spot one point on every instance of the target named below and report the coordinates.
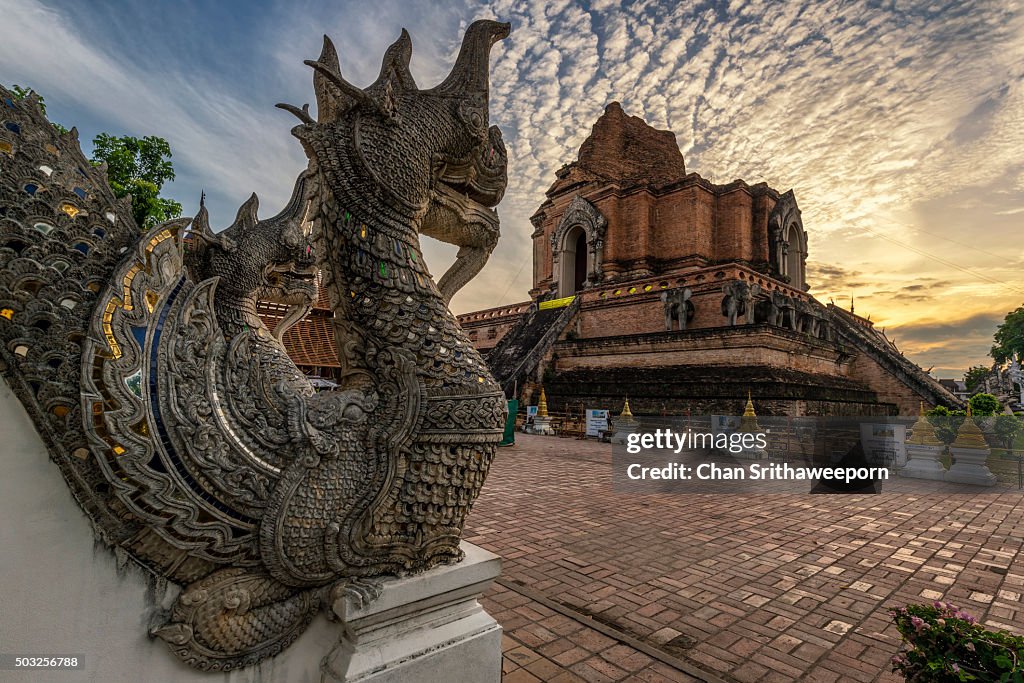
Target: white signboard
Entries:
(531, 412)
(884, 444)
(597, 421)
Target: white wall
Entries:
(62, 593)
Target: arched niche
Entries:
(577, 246)
(787, 242)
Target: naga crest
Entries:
(429, 155)
(191, 440)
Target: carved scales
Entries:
(180, 424)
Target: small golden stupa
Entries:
(542, 404)
(748, 423)
(970, 435)
(923, 433)
(625, 418)
(626, 412)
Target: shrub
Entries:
(946, 422)
(985, 405)
(946, 644)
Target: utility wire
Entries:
(515, 277)
(944, 262)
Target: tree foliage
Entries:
(135, 166)
(1009, 337)
(946, 422)
(974, 376)
(985, 405)
(21, 93)
(1008, 428)
(139, 167)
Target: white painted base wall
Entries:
(62, 593)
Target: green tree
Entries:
(985, 405)
(1009, 337)
(139, 167)
(974, 376)
(1008, 428)
(21, 93)
(946, 422)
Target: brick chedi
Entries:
(625, 149)
(659, 219)
(685, 295)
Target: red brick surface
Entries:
(660, 220)
(751, 588)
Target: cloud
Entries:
(867, 111)
(944, 344)
(898, 125)
(221, 142)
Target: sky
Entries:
(899, 125)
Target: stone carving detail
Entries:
(186, 433)
(582, 213)
(771, 309)
(806, 321)
(1016, 377)
(797, 315)
(787, 242)
(739, 301)
(678, 307)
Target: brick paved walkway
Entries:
(745, 587)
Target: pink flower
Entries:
(956, 668)
(940, 622)
(970, 646)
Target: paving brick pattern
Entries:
(541, 645)
(747, 587)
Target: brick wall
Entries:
(889, 388)
(486, 328)
(660, 219)
(732, 347)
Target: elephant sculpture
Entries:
(678, 307)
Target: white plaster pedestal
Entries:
(427, 628)
(623, 428)
(750, 454)
(923, 462)
(969, 467)
(541, 425)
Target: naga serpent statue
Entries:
(191, 440)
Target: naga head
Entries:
(269, 259)
(415, 149)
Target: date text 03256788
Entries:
(13, 662)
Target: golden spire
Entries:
(970, 435)
(923, 432)
(748, 423)
(542, 405)
(625, 410)
(748, 411)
